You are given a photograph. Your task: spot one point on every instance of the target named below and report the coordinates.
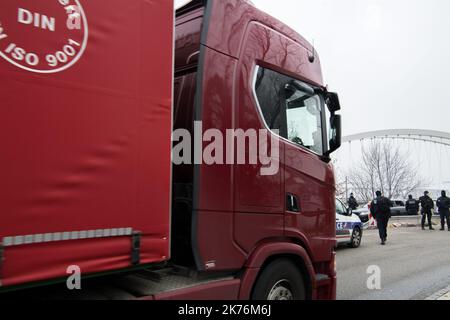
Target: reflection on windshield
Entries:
(304, 121)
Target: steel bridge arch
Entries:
(432, 136)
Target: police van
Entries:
(349, 228)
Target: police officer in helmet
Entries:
(380, 208)
(443, 203)
(352, 203)
(427, 205)
(412, 206)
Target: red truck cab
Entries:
(238, 229)
(238, 68)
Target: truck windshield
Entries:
(304, 120)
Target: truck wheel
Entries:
(280, 280)
(355, 241)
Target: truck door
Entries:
(308, 195)
(279, 92)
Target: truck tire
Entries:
(280, 280)
(355, 241)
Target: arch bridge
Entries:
(431, 136)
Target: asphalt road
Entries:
(414, 265)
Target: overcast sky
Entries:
(388, 59)
(389, 62)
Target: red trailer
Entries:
(90, 93)
(82, 170)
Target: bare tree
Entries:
(384, 167)
(341, 183)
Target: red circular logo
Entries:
(44, 36)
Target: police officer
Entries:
(352, 203)
(443, 203)
(427, 205)
(380, 208)
(412, 206)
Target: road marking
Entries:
(443, 294)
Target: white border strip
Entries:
(65, 236)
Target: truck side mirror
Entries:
(332, 100)
(336, 133)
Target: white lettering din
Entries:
(38, 20)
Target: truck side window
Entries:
(270, 92)
(296, 114)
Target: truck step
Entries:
(141, 286)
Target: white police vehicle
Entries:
(349, 228)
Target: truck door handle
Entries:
(292, 203)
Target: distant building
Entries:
(434, 190)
